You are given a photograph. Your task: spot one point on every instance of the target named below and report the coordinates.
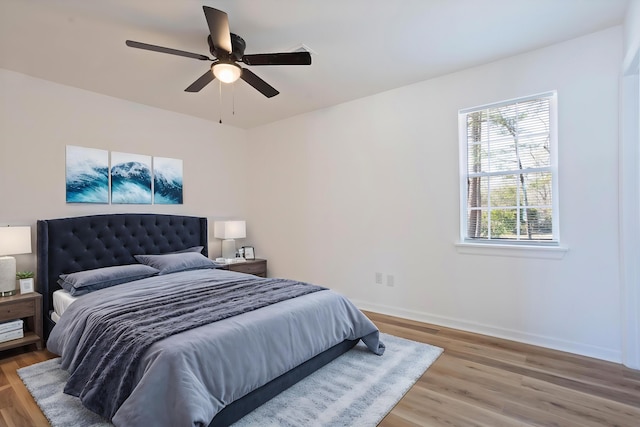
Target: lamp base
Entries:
(228, 248)
(7, 276)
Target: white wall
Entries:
(39, 118)
(368, 186)
(372, 186)
(632, 32)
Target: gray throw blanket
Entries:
(109, 354)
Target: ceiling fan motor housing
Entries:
(238, 45)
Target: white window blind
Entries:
(509, 169)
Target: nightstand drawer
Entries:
(16, 310)
(258, 267)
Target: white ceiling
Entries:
(359, 47)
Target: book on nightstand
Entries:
(11, 335)
(11, 326)
(11, 330)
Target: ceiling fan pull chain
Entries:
(233, 99)
(220, 99)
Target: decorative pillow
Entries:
(173, 263)
(83, 282)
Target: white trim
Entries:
(550, 94)
(512, 250)
(463, 166)
(508, 334)
(629, 207)
(555, 187)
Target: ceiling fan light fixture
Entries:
(226, 72)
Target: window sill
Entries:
(520, 251)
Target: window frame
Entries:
(466, 244)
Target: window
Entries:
(508, 163)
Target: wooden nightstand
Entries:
(27, 307)
(257, 267)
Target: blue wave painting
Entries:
(130, 178)
(87, 175)
(167, 181)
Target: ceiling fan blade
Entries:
(260, 85)
(218, 22)
(170, 51)
(202, 81)
(287, 58)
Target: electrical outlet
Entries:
(379, 278)
(390, 280)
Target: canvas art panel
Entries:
(167, 181)
(87, 175)
(130, 178)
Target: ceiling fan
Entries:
(228, 49)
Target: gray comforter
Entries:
(186, 378)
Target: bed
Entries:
(80, 244)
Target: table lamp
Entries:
(228, 231)
(13, 241)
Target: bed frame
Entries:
(67, 245)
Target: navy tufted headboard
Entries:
(67, 245)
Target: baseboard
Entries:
(513, 335)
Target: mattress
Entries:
(61, 301)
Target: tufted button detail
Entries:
(83, 243)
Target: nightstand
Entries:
(257, 267)
(27, 307)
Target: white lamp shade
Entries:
(15, 240)
(230, 229)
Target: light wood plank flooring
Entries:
(477, 381)
(485, 381)
(17, 407)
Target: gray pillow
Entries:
(83, 282)
(173, 263)
(192, 249)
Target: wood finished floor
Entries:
(477, 381)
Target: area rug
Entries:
(357, 389)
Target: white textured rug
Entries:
(357, 389)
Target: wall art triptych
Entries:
(135, 178)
